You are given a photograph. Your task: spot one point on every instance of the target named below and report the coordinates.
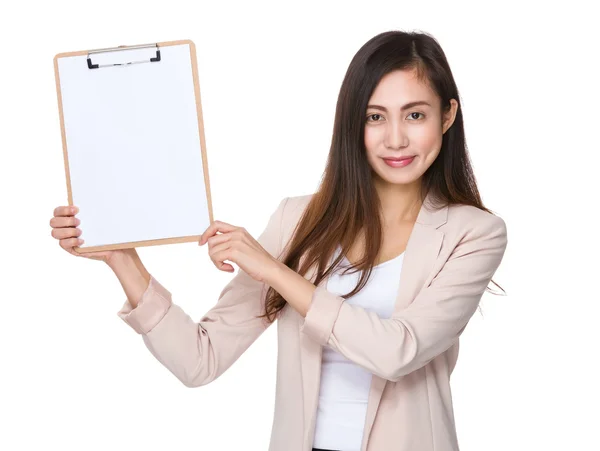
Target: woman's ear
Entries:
(450, 115)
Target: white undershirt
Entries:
(345, 386)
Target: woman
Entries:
(373, 278)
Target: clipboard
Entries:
(133, 144)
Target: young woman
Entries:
(373, 278)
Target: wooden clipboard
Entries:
(85, 146)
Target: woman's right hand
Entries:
(64, 228)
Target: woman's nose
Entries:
(395, 137)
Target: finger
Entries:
(214, 227)
(66, 232)
(214, 250)
(225, 267)
(63, 233)
(64, 221)
(70, 243)
(236, 233)
(66, 210)
(221, 253)
(218, 239)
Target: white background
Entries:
(76, 377)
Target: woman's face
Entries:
(394, 130)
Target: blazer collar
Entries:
(429, 215)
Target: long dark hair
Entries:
(347, 201)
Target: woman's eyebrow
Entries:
(402, 108)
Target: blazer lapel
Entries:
(310, 355)
(421, 252)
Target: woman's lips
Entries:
(399, 163)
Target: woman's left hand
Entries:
(237, 245)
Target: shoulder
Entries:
(467, 221)
(295, 207)
(290, 208)
(290, 212)
(460, 214)
(297, 204)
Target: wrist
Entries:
(128, 264)
(122, 257)
(132, 275)
(275, 272)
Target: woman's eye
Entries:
(375, 117)
(372, 115)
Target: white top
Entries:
(345, 386)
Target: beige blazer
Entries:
(449, 260)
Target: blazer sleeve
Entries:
(199, 352)
(432, 323)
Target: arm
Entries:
(198, 353)
(411, 338)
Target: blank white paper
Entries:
(133, 146)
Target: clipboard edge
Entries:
(160, 44)
(204, 156)
(136, 244)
